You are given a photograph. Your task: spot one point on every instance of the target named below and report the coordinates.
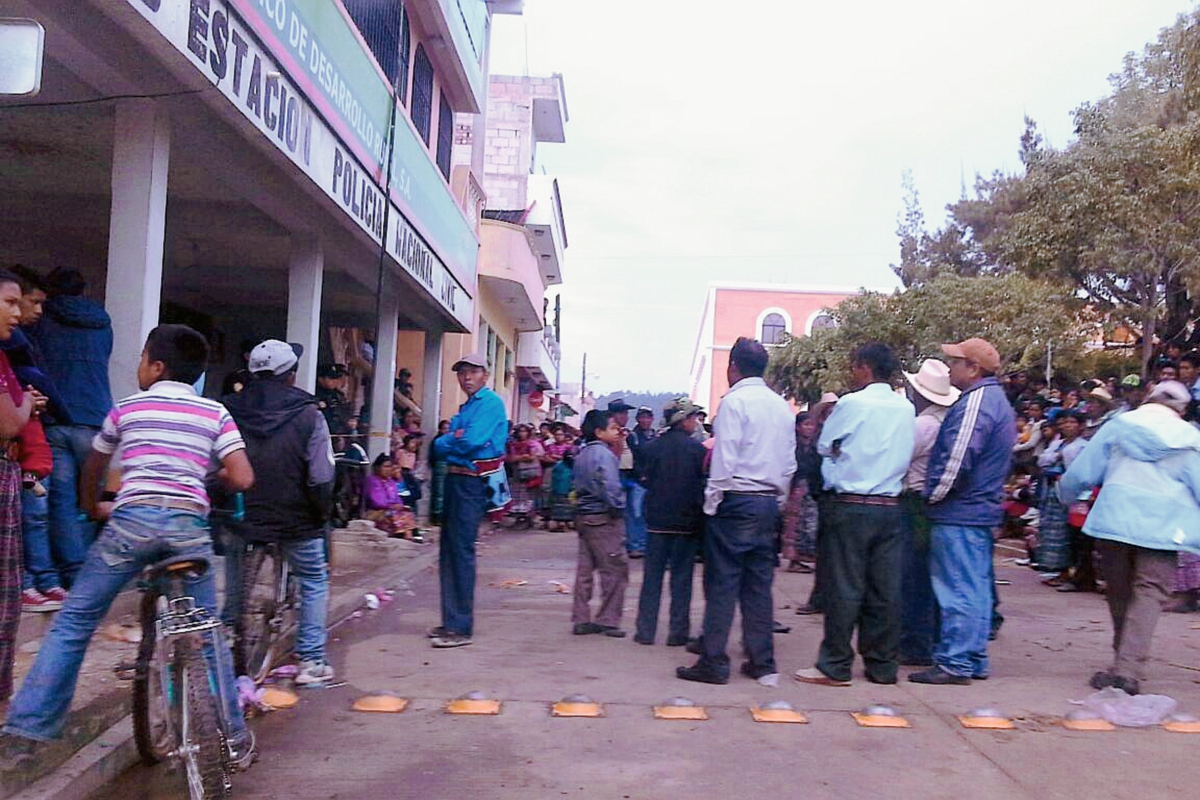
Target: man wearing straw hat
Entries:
(931, 394)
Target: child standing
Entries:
(600, 505)
(166, 435)
(562, 478)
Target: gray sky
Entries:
(764, 141)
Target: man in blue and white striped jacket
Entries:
(964, 487)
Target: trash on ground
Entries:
(511, 583)
(560, 587)
(124, 633)
(1129, 711)
(372, 601)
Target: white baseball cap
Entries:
(274, 356)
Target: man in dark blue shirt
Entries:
(473, 449)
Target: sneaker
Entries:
(314, 672)
(434, 633)
(243, 751)
(815, 676)
(939, 677)
(57, 594)
(34, 601)
(451, 640)
(17, 752)
(701, 673)
(1127, 685)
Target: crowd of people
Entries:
(893, 494)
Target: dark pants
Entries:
(816, 597)
(864, 555)
(919, 608)
(676, 552)
(1139, 586)
(1082, 547)
(739, 566)
(466, 502)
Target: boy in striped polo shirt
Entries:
(167, 437)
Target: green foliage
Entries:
(1017, 314)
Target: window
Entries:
(383, 25)
(405, 55)
(445, 135)
(821, 322)
(422, 93)
(773, 328)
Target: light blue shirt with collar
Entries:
(867, 442)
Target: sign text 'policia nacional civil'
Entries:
(294, 105)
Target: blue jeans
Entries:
(134, 537)
(739, 568)
(70, 534)
(635, 517)
(961, 569)
(40, 571)
(306, 558)
(465, 504)
(676, 552)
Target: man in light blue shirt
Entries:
(867, 444)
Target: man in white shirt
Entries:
(752, 465)
(867, 444)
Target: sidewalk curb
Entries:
(114, 751)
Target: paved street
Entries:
(524, 654)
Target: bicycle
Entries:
(178, 714)
(269, 609)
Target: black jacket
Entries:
(287, 442)
(673, 465)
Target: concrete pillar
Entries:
(306, 270)
(384, 376)
(431, 384)
(133, 289)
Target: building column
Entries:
(383, 376)
(133, 288)
(431, 384)
(306, 270)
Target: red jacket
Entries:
(35, 450)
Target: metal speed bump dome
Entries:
(274, 697)
(986, 719)
(474, 703)
(679, 708)
(879, 716)
(777, 711)
(577, 705)
(1083, 720)
(380, 703)
(1182, 723)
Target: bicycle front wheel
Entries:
(201, 744)
(258, 625)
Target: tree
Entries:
(1017, 314)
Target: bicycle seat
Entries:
(196, 566)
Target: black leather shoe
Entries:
(1102, 680)
(809, 609)
(695, 646)
(612, 630)
(939, 677)
(643, 639)
(881, 681)
(676, 641)
(701, 673)
(585, 628)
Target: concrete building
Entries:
(761, 311)
(522, 238)
(258, 169)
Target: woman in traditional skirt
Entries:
(1187, 584)
(524, 457)
(1054, 538)
(16, 406)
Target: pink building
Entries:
(762, 311)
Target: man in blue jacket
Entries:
(964, 487)
(1147, 463)
(473, 451)
(75, 338)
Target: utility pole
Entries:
(583, 381)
